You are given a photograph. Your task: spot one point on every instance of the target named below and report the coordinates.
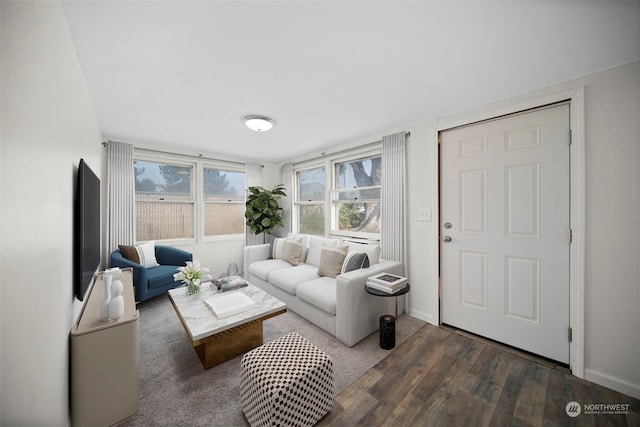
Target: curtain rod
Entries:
(192, 156)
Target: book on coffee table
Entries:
(229, 304)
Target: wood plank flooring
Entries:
(443, 377)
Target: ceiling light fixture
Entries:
(258, 123)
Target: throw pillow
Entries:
(143, 254)
(292, 251)
(279, 247)
(130, 253)
(355, 261)
(372, 251)
(331, 260)
(147, 254)
(315, 248)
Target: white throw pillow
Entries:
(372, 251)
(288, 249)
(147, 254)
(315, 248)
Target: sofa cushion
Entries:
(264, 268)
(320, 292)
(161, 275)
(372, 251)
(290, 278)
(315, 248)
(331, 260)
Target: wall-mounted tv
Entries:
(86, 229)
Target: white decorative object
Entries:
(116, 304)
(109, 275)
(104, 305)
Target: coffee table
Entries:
(218, 340)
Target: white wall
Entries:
(48, 124)
(612, 307)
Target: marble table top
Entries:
(199, 319)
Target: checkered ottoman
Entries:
(286, 382)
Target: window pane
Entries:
(362, 217)
(162, 181)
(361, 195)
(158, 220)
(224, 185)
(312, 219)
(223, 218)
(358, 173)
(311, 185)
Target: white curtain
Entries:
(120, 195)
(254, 178)
(393, 197)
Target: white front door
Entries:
(505, 230)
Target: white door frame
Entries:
(577, 206)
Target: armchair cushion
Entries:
(161, 275)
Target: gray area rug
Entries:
(175, 390)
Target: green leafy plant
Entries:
(262, 211)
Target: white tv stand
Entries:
(105, 385)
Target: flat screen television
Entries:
(87, 229)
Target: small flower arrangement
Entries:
(192, 274)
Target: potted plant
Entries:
(262, 211)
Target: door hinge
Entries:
(570, 136)
(570, 335)
(570, 235)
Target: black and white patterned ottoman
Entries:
(286, 382)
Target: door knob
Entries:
(446, 239)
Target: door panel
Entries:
(505, 194)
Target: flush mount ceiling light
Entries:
(258, 123)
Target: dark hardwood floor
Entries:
(443, 377)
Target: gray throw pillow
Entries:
(355, 261)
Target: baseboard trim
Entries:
(613, 383)
(423, 316)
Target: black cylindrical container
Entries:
(387, 332)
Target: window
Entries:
(224, 197)
(164, 200)
(356, 196)
(353, 181)
(190, 200)
(309, 201)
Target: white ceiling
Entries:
(184, 74)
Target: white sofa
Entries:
(339, 305)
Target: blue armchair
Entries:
(150, 282)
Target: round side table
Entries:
(378, 293)
(388, 322)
